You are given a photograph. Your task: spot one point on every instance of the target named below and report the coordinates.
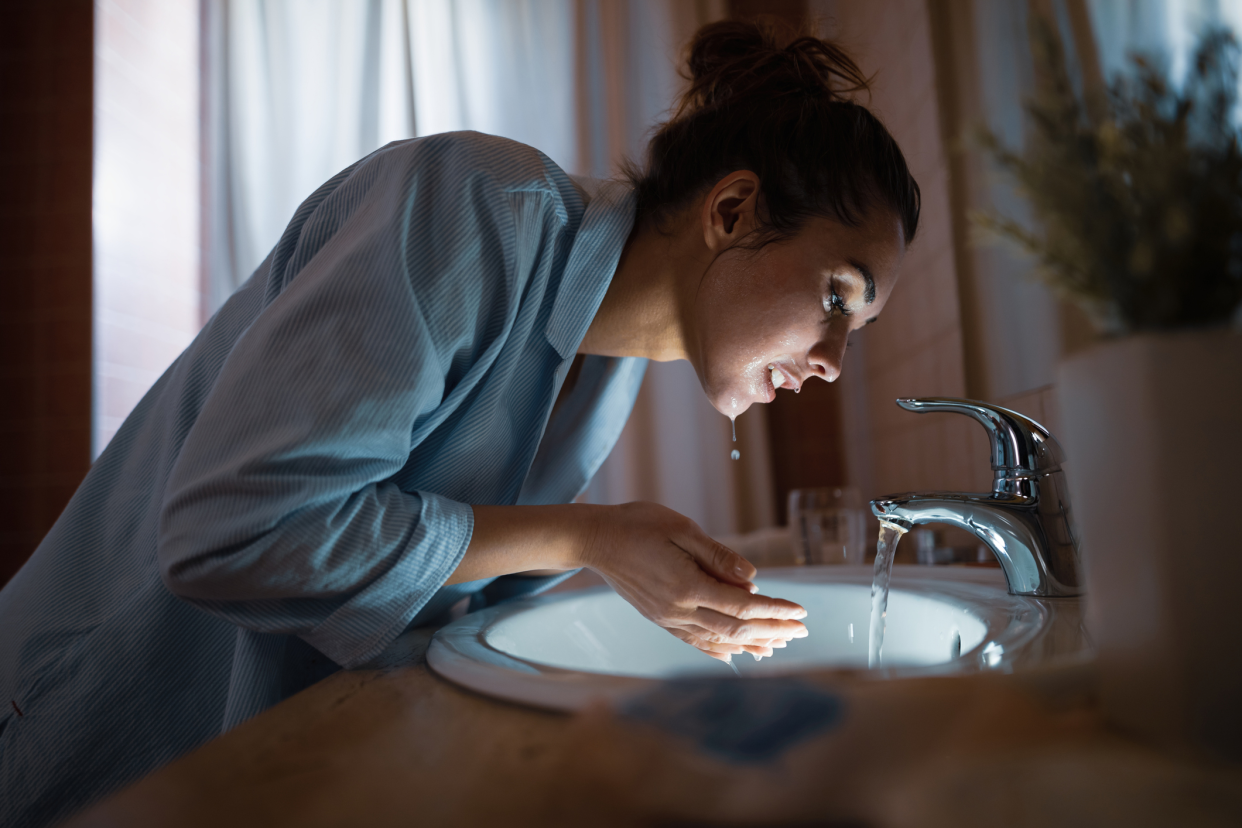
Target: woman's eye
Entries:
(833, 304)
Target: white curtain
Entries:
(297, 91)
(504, 67)
(300, 89)
(1167, 30)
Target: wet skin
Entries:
(781, 315)
(695, 288)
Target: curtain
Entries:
(299, 89)
(1166, 30)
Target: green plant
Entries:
(1138, 195)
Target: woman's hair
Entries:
(784, 114)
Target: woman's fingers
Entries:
(718, 627)
(716, 639)
(717, 560)
(730, 600)
(721, 651)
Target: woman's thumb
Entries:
(725, 565)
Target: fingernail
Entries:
(802, 633)
(740, 571)
(752, 589)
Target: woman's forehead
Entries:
(872, 249)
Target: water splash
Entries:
(885, 551)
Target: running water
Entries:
(885, 549)
(734, 666)
(735, 454)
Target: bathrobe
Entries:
(293, 492)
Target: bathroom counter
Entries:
(397, 744)
(374, 747)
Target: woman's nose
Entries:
(826, 357)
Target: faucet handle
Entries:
(1019, 444)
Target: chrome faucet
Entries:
(1025, 520)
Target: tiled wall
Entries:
(45, 266)
(147, 257)
(916, 348)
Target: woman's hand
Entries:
(658, 560)
(687, 583)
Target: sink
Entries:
(561, 651)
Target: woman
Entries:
(395, 413)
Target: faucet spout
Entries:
(1009, 525)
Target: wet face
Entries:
(782, 315)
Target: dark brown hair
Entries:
(784, 114)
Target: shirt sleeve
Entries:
(280, 514)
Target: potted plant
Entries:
(1137, 195)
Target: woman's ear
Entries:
(730, 210)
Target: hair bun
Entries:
(735, 58)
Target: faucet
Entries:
(1025, 520)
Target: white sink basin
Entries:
(561, 651)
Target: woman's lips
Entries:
(769, 389)
(780, 378)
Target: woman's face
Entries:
(778, 316)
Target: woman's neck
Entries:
(643, 313)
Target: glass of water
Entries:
(826, 526)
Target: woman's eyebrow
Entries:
(869, 292)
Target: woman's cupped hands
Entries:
(687, 583)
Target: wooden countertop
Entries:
(397, 745)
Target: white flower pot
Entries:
(1152, 428)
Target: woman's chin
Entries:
(734, 404)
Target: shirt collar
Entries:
(593, 259)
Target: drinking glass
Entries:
(826, 526)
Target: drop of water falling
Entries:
(735, 454)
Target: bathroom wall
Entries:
(968, 319)
(45, 266)
(146, 217)
(916, 347)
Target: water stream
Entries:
(735, 454)
(885, 550)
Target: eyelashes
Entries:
(834, 304)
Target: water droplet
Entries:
(735, 454)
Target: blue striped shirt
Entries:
(292, 493)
